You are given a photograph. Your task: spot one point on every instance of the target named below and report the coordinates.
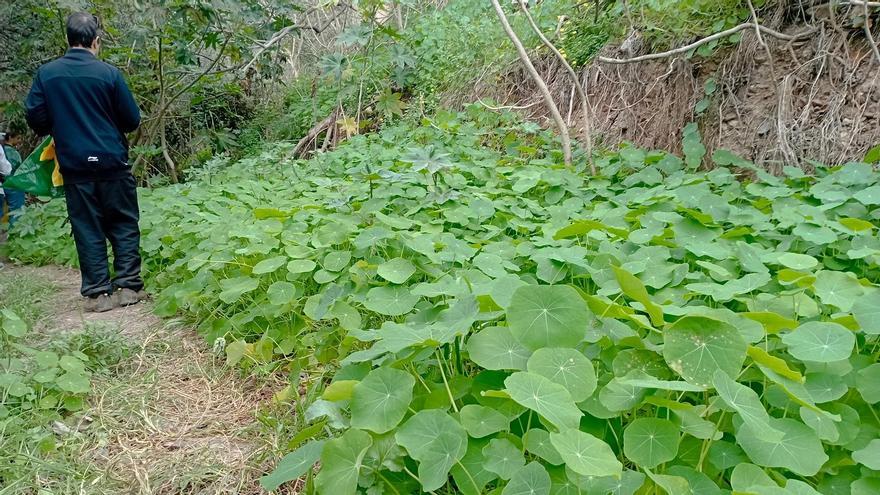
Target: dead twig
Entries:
(314, 132)
(708, 39)
(507, 107)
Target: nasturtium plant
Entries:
(381, 399)
(543, 316)
(490, 321)
(46, 383)
(650, 442)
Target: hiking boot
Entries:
(100, 303)
(129, 297)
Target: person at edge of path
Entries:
(86, 106)
(14, 199)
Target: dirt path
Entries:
(169, 417)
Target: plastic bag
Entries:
(39, 173)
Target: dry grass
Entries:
(177, 422)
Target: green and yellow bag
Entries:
(39, 174)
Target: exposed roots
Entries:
(781, 100)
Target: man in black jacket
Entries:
(86, 106)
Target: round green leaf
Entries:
(530, 480)
(349, 317)
(336, 260)
(724, 455)
(547, 316)
(341, 462)
(537, 441)
(797, 261)
(799, 451)
(390, 300)
(551, 400)
(269, 265)
(748, 477)
(46, 359)
(696, 346)
(281, 293)
(396, 271)
(324, 277)
(301, 266)
(650, 442)
(866, 310)
(838, 289)
(585, 454)
(494, 348)
(868, 196)
(45, 376)
(74, 382)
(824, 387)
(567, 367)
(12, 324)
(437, 441)
(481, 421)
(503, 458)
(820, 341)
(381, 399)
(868, 383)
(72, 364)
(824, 426)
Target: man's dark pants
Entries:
(102, 211)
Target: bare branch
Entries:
(507, 107)
(542, 86)
(198, 78)
(708, 39)
(867, 25)
(283, 33)
(313, 133)
(585, 103)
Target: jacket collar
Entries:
(79, 54)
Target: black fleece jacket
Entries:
(86, 106)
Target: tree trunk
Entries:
(585, 103)
(542, 86)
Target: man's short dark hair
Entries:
(82, 29)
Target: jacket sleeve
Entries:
(128, 115)
(38, 117)
(5, 166)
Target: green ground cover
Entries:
(487, 319)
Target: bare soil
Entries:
(813, 98)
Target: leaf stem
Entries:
(445, 382)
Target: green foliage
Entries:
(36, 388)
(505, 323)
